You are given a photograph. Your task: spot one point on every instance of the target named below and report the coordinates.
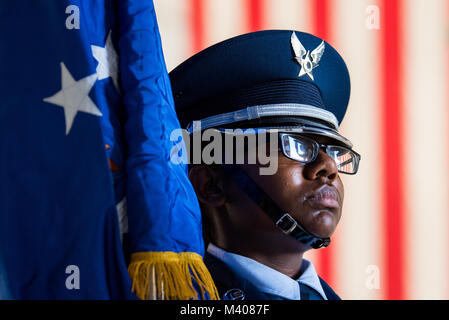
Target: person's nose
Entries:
(323, 167)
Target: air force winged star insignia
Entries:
(306, 59)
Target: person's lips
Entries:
(324, 197)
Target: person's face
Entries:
(311, 193)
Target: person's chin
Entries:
(322, 223)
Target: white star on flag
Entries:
(74, 96)
(107, 61)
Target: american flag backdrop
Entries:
(392, 241)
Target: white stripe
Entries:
(288, 14)
(172, 18)
(426, 147)
(357, 241)
(223, 20)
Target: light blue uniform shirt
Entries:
(267, 279)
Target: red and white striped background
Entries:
(395, 216)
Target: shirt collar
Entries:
(267, 279)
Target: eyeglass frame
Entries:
(318, 147)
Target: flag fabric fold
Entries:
(155, 186)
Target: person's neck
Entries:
(282, 256)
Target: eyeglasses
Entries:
(305, 150)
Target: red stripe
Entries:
(321, 22)
(197, 25)
(321, 18)
(392, 142)
(255, 15)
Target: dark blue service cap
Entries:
(265, 78)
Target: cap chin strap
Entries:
(283, 220)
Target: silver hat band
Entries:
(267, 110)
(294, 130)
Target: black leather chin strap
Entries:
(283, 220)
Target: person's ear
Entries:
(208, 185)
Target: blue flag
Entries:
(86, 114)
